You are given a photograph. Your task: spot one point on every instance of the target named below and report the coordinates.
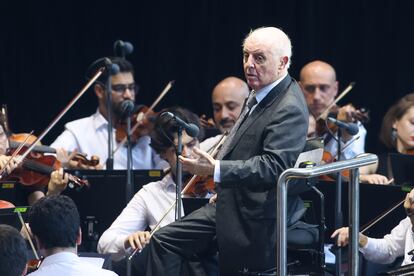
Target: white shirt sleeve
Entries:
(357, 146)
(66, 140)
(387, 249)
(132, 219)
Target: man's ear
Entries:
(99, 91)
(336, 88)
(79, 237)
(283, 62)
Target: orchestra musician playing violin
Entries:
(13, 252)
(320, 87)
(227, 98)
(397, 134)
(399, 242)
(261, 145)
(150, 203)
(58, 179)
(55, 225)
(90, 135)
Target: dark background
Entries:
(45, 48)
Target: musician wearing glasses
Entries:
(90, 135)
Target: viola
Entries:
(200, 186)
(36, 169)
(144, 123)
(323, 126)
(16, 139)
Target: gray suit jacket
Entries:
(267, 143)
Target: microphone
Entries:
(191, 129)
(127, 108)
(351, 128)
(123, 48)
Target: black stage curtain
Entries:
(46, 46)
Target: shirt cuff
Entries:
(217, 172)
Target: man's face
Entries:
(259, 63)
(227, 105)
(320, 89)
(123, 88)
(189, 143)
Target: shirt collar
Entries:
(262, 93)
(167, 181)
(58, 258)
(99, 120)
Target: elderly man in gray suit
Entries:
(266, 139)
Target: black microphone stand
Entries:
(129, 188)
(110, 160)
(338, 205)
(178, 174)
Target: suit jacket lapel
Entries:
(275, 94)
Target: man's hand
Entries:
(202, 164)
(213, 199)
(10, 166)
(342, 235)
(346, 114)
(137, 240)
(375, 179)
(68, 160)
(409, 206)
(58, 182)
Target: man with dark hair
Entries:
(150, 203)
(90, 135)
(55, 225)
(13, 255)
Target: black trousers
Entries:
(185, 247)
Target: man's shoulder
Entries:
(79, 122)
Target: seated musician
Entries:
(228, 97)
(30, 194)
(151, 202)
(399, 242)
(55, 224)
(320, 87)
(90, 135)
(397, 135)
(13, 252)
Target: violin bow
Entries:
(324, 114)
(214, 150)
(140, 118)
(19, 215)
(63, 112)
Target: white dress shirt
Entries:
(145, 209)
(398, 243)
(90, 135)
(356, 147)
(69, 264)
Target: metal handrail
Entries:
(351, 164)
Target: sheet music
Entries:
(312, 155)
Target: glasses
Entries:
(121, 88)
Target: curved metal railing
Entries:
(351, 164)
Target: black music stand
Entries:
(190, 204)
(101, 203)
(402, 168)
(9, 216)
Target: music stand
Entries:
(9, 216)
(402, 168)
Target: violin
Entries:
(144, 119)
(15, 141)
(200, 186)
(323, 126)
(36, 169)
